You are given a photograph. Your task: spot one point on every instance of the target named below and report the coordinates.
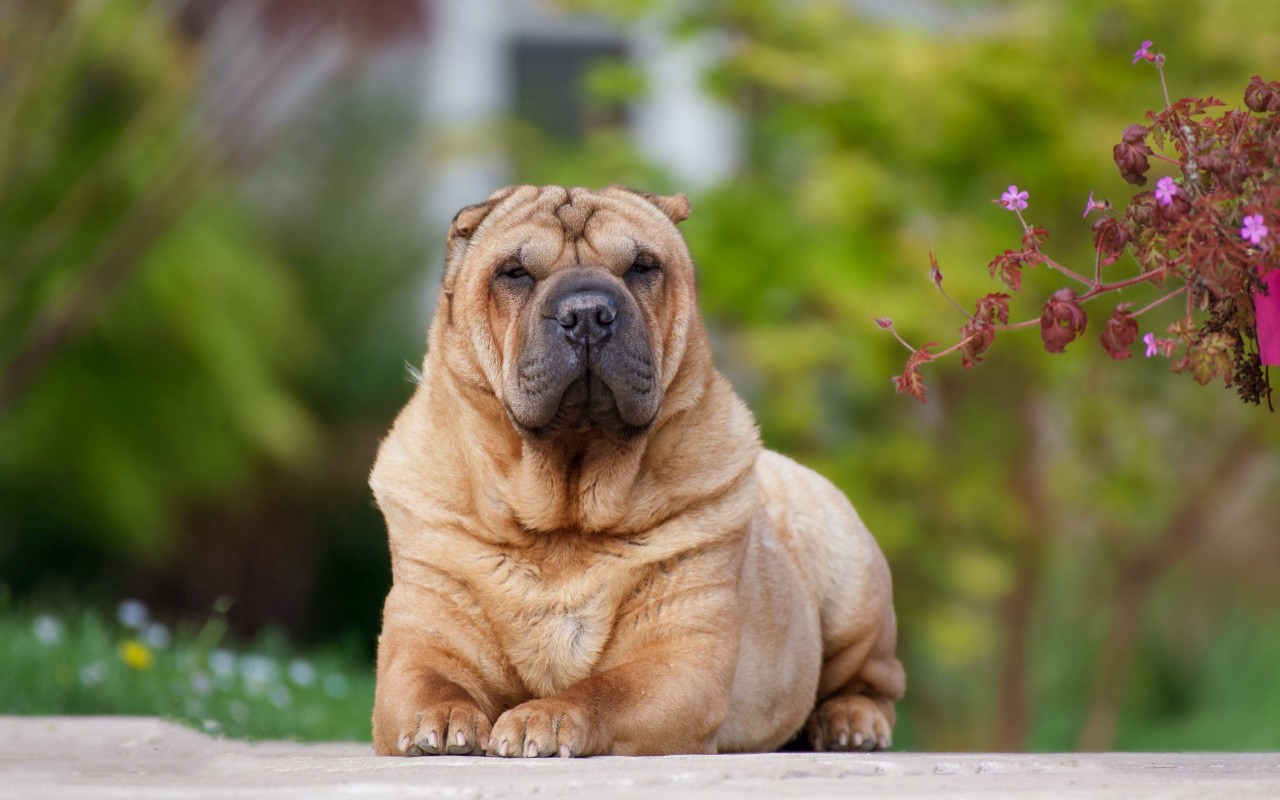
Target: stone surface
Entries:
(132, 757)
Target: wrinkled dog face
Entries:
(585, 357)
(581, 290)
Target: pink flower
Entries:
(1095, 205)
(1144, 52)
(1158, 347)
(1254, 230)
(1166, 190)
(1013, 199)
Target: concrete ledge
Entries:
(140, 757)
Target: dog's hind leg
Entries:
(856, 694)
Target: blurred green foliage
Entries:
(203, 319)
(186, 328)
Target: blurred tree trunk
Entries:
(1027, 476)
(1180, 539)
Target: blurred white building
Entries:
(475, 64)
(490, 60)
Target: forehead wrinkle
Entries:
(635, 245)
(537, 252)
(598, 255)
(574, 216)
(554, 196)
(578, 258)
(504, 211)
(518, 215)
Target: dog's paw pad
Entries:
(849, 722)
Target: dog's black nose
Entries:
(586, 317)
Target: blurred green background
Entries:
(220, 230)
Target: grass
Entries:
(88, 663)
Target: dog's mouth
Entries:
(588, 404)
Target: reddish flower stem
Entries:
(1070, 273)
(1169, 296)
(894, 331)
(953, 348)
(1164, 87)
(1124, 284)
(1016, 325)
(1025, 226)
(954, 304)
(1244, 123)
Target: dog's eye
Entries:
(513, 270)
(645, 262)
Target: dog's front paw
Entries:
(445, 729)
(542, 728)
(850, 722)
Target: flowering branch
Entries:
(1209, 232)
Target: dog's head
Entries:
(574, 305)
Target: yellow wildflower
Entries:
(136, 654)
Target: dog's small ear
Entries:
(464, 224)
(675, 206)
(468, 219)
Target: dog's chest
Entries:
(554, 631)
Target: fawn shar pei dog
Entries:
(591, 552)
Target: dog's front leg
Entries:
(439, 688)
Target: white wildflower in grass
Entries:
(47, 629)
(211, 726)
(258, 669)
(157, 636)
(301, 672)
(200, 683)
(223, 663)
(335, 685)
(279, 696)
(239, 711)
(132, 614)
(93, 673)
